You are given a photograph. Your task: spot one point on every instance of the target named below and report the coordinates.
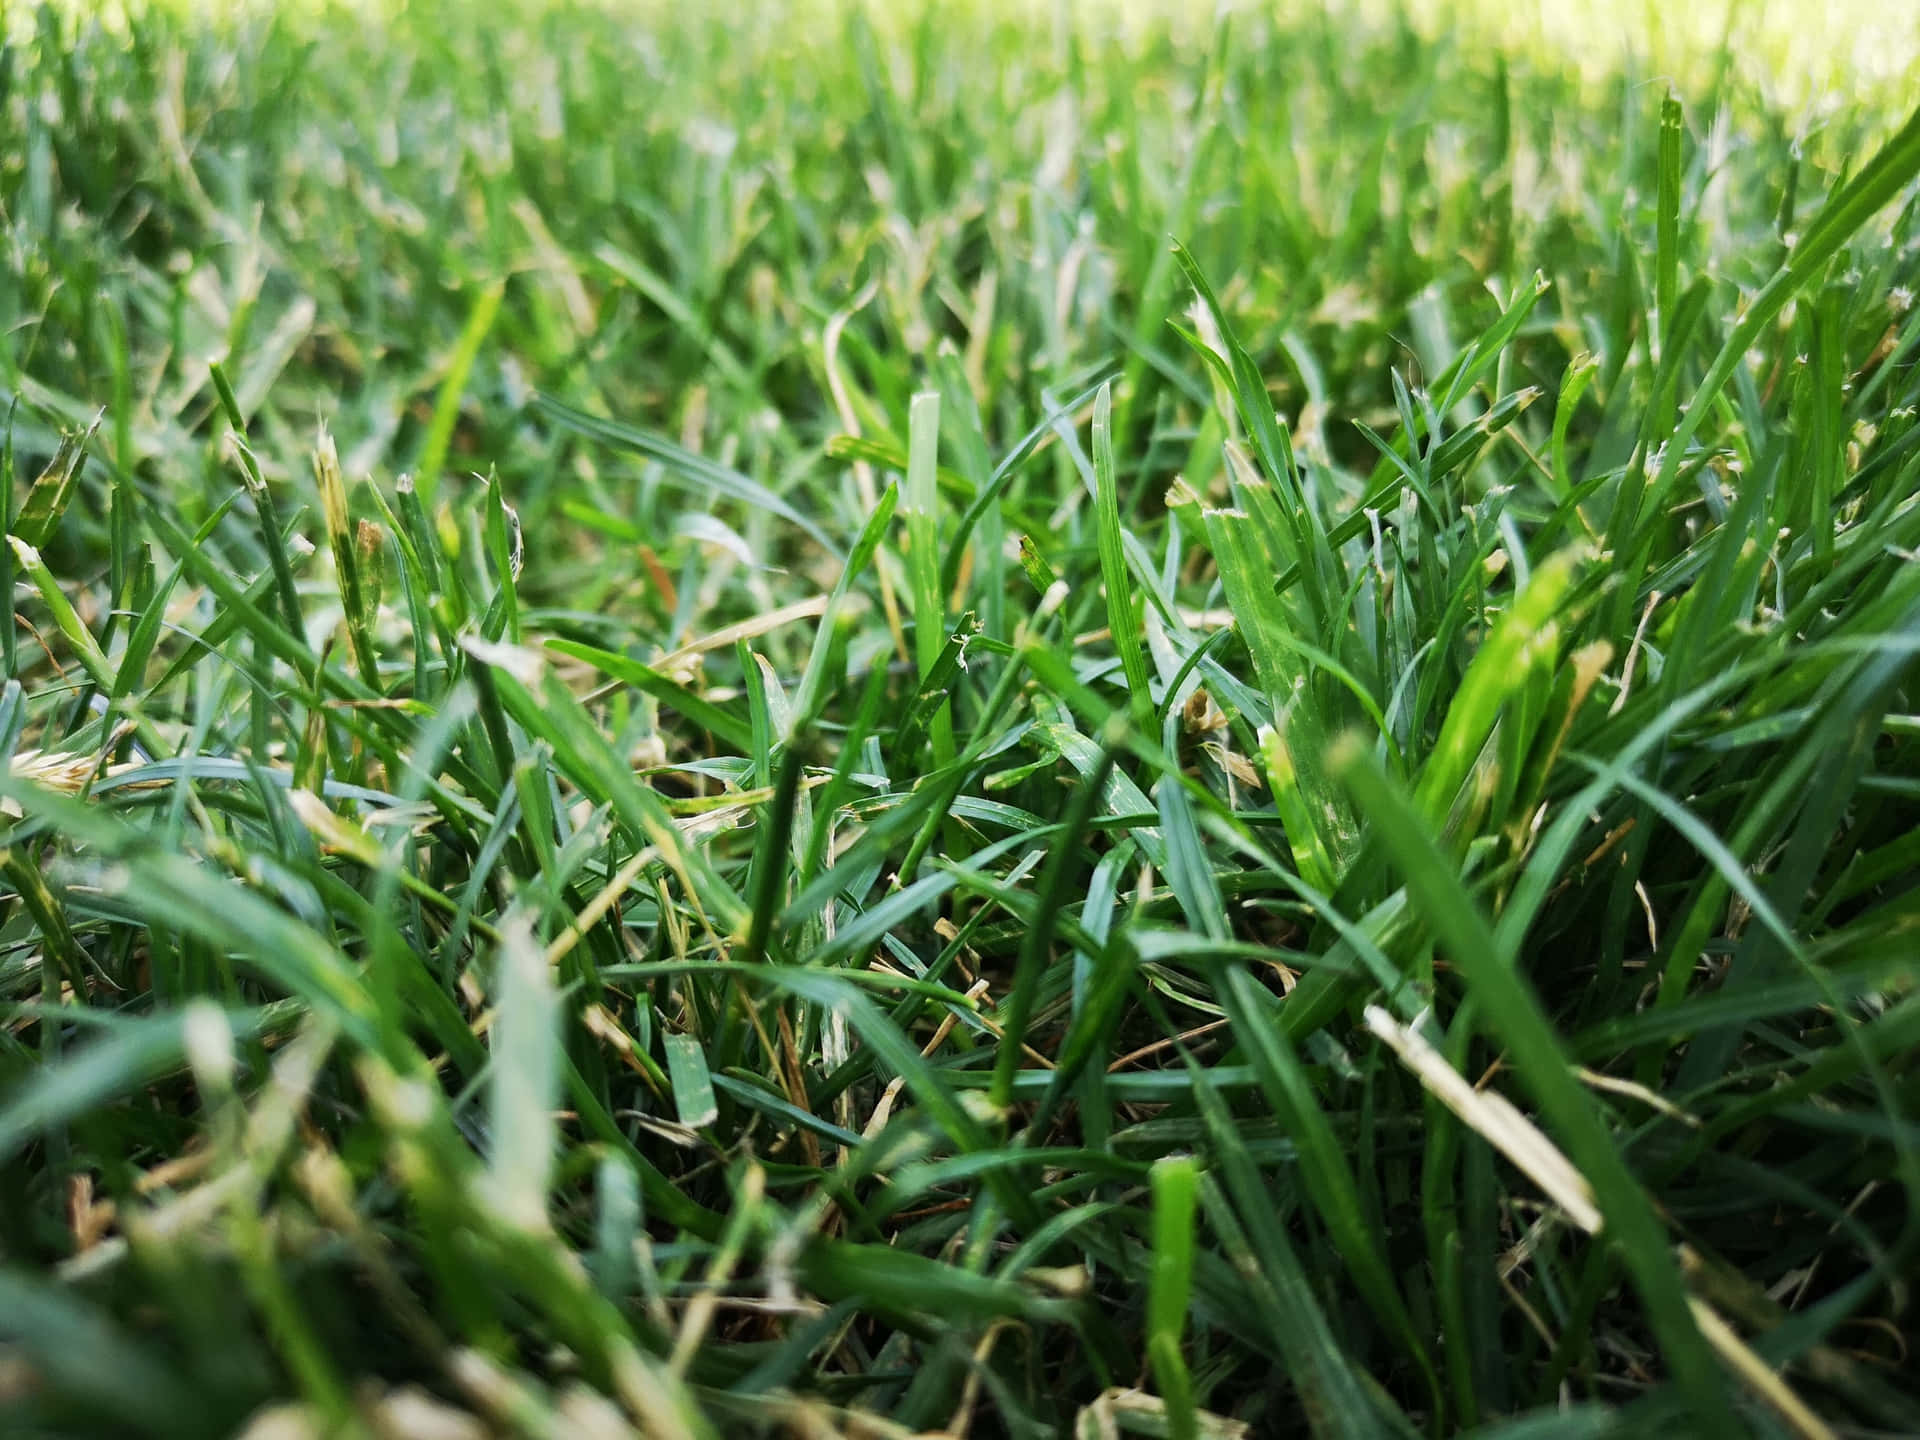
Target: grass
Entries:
(953, 723)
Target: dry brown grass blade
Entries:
(1494, 1118)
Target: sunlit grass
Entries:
(1814, 55)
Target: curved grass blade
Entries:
(692, 468)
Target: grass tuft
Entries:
(1082, 723)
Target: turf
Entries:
(886, 722)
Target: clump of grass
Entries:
(748, 763)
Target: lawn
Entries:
(878, 720)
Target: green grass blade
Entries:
(1511, 1010)
(1175, 1188)
(1121, 612)
(453, 387)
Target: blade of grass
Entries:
(1512, 1011)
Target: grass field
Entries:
(959, 720)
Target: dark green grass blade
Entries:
(1512, 1011)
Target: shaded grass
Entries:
(702, 740)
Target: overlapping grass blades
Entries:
(672, 766)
